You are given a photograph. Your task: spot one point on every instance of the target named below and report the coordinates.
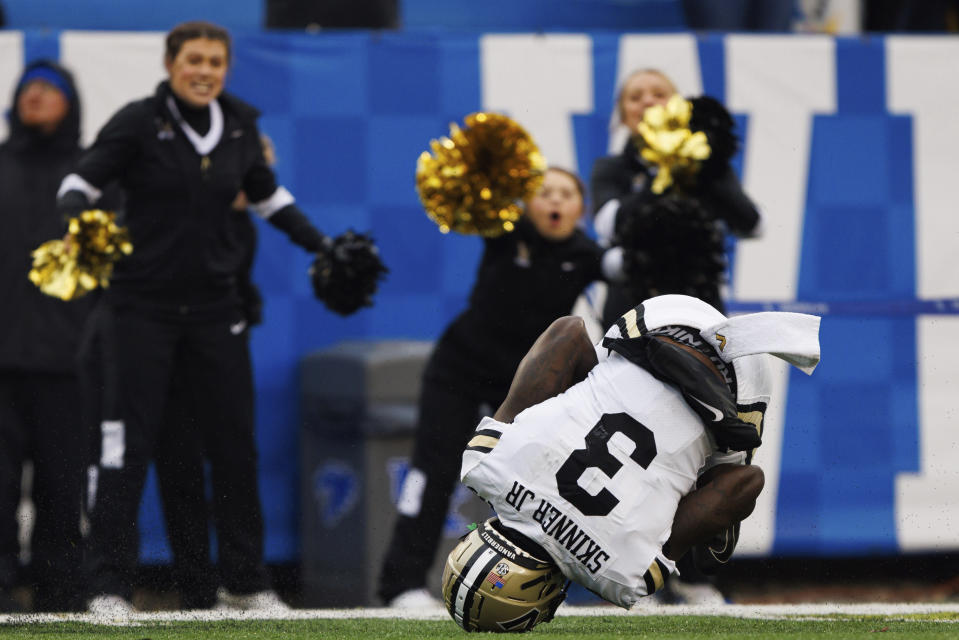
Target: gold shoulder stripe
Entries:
(632, 330)
(486, 442)
(754, 418)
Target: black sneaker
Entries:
(715, 553)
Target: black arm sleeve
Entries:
(112, 199)
(116, 146)
(259, 184)
(591, 259)
(608, 180)
(294, 223)
(725, 197)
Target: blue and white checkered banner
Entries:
(849, 149)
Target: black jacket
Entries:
(177, 202)
(523, 283)
(37, 332)
(616, 176)
(626, 178)
(621, 175)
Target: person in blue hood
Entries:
(39, 397)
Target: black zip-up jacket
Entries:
(616, 177)
(625, 177)
(37, 332)
(523, 283)
(177, 201)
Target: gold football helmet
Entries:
(491, 584)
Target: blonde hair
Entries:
(617, 118)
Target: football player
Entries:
(599, 483)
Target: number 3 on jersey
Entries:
(596, 454)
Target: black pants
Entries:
(40, 421)
(448, 414)
(132, 362)
(181, 476)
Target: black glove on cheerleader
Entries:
(71, 204)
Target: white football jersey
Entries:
(595, 475)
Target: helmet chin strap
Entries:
(560, 599)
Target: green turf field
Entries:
(827, 627)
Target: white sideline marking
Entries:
(885, 609)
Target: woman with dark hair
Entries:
(180, 453)
(174, 308)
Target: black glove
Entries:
(705, 395)
(710, 556)
(346, 272)
(71, 204)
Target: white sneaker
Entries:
(259, 601)
(415, 599)
(696, 593)
(110, 606)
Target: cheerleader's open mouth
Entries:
(554, 217)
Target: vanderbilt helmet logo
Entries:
(722, 341)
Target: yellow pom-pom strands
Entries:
(668, 143)
(83, 261)
(55, 269)
(476, 179)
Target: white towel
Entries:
(794, 337)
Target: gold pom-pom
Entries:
(477, 178)
(83, 260)
(668, 143)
